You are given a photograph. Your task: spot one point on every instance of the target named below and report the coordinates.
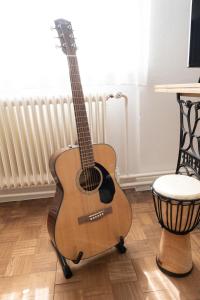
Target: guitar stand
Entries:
(120, 246)
(65, 267)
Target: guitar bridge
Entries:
(95, 215)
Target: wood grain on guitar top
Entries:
(91, 238)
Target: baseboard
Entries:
(140, 182)
(28, 193)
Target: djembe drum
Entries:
(177, 206)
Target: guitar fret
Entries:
(82, 130)
(87, 163)
(81, 117)
(87, 160)
(79, 108)
(76, 90)
(77, 94)
(83, 127)
(83, 149)
(81, 111)
(84, 138)
(83, 123)
(75, 82)
(85, 153)
(85, 166)
(83, 133)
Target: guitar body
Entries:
(87, 221)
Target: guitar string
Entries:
(77, 116)
(71, 71)
(82, 116)
(89, 169)
(92, 174)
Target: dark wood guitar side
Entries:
(54, 210)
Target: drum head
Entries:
(178, 187)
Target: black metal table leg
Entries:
(189, 145)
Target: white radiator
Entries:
(32, 129)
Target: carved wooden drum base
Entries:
(175, 255)
(177, 205)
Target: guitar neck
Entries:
(83, 133)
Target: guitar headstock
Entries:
(66, 36)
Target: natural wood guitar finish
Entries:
(91, 213)
(92, 238)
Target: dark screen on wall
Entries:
(194, 47)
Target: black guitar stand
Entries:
(65, 267)
(120, 246)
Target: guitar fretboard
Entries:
(83, 133)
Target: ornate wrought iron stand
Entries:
(189, 146)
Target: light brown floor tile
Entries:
(39, 285)
(149, 276)
(138, 248)
(127, 291)
(121, 271)
(19, 265)
(61, 293)
(162, 295)
(44, 262)
(26, 247)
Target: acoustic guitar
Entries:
(91, 213)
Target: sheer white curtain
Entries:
(112, 37)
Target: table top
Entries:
(185, 89)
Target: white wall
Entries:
(154, 117)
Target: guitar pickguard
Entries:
(107, 188)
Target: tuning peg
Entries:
(57, 46)
(52, 28)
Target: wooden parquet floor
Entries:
(29, 268)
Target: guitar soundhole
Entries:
(90, 179)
